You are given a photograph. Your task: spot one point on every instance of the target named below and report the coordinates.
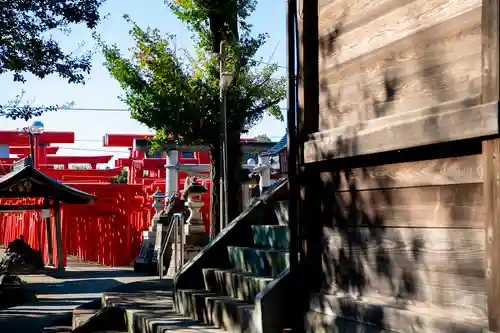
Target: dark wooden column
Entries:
(57, 213)
(491, 157)
(49, 241)
(310, 216)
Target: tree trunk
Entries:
(234, 187)
(234, 166)
(215, 170)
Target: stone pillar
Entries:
(172, 174)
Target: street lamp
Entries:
(33, 130)
(225, 80)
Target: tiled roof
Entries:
(25, 181)
(277, 148)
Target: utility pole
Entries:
(223, 182)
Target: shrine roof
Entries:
(25, 181)
(278, 147)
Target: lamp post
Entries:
(225, 81)
(33, 130)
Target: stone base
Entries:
(200, 239)
(194, 229)
(143, 262)
(190, 251)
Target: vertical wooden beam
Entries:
(49, 241)
(60, 259)
(490, 47)
(491, 156)
(491, 197)
(310, 216)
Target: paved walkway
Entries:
(58, 296)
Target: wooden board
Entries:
(321, 323)
(445, 171)
(438, 45)
(379, 58)
(453, 291)
(435, 65)
(394, 25)
(491, 152)
(422, 207)
(353, 14)
(412, 129)
(457, 251)
(396, 317)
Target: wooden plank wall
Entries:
(390, 67)
(386, 57)
(404, 248)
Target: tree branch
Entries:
(262, 108)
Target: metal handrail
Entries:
(176, 225)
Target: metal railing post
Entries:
(177, 222)
(181, 224)
(176, 243)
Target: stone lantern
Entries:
(159, 201)
(148, 247)
(192, 194)
(195, 237)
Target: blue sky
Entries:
(101, 91)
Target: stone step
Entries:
(262, 262)
(84, 312)
(219, 311)
(57, 329)
(233, 283)
(107, 319)
(186, 303)
(153, 312)
(162, 321)
(271, 236)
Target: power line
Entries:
(90, 149)
(105, 109)
(100, 141)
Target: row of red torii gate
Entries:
(61, 210)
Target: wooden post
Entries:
(50, 245)
(491, 197)
(310, 227)
(491, 156)
(57, 213)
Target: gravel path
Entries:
(58, 296)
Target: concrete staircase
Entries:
(228, 300)
(242, 283)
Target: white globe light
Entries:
(226, 80)
(37, 127)
(251, 161)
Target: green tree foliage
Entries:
(263, 138)
(177, 94)
(122, 178)
(26, 45)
